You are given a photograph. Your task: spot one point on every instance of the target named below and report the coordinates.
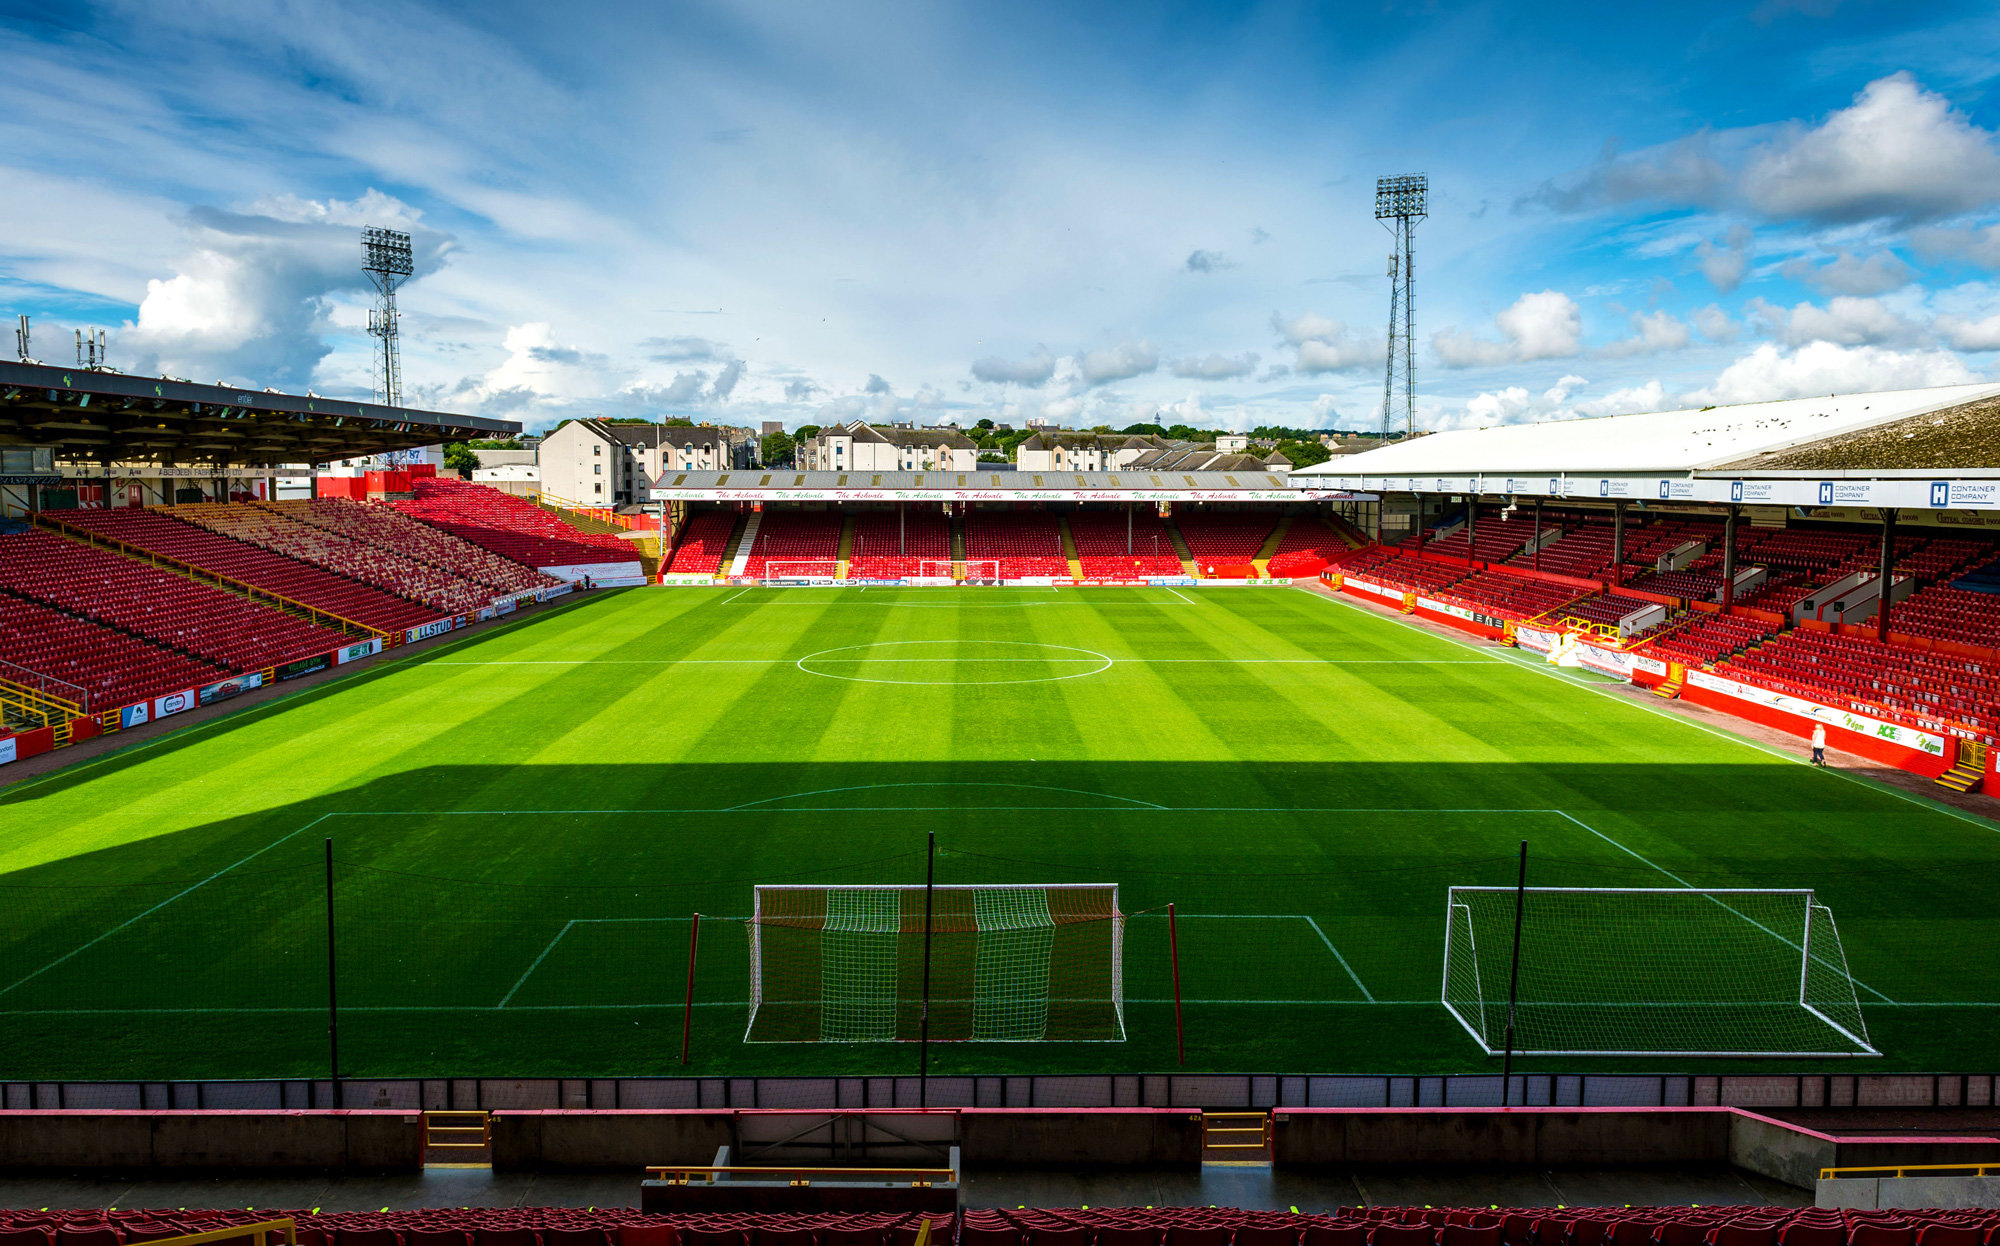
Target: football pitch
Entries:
(525, 821)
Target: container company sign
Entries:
(1908, 737)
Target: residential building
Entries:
(602, 464)
(1057, 451)
(863, 447)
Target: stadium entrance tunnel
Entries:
(535, 921)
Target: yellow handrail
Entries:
(1897, 1170)
(257, 1232)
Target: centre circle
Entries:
(949, 663)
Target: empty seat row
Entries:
(512, 527)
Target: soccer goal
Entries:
(813, 571)
(1652, 972)
(1006, 964)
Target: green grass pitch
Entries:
(525, 820)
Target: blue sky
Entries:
(1100, 213)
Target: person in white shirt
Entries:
(1819, 744)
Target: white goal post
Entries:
(1608, 971)
(1005, 964)
(807, 571)
(945, 571)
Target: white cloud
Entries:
(1652, 332)
(1828, 368)
(1726, 262)
(1034, 370)
(1978, 244)
(1208, 262)
(1117, 363)
(1847, 273)
(1652, 396)
(1216, 367)
(1897, 151)
(1516, 404)
(1844, 321)
(1714, 324)
(1962, 334)
(1544, 325)
(251, 300)
(1324, 344)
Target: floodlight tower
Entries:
(386, 258)
(1400, 202)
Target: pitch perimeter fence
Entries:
(1155, 1090)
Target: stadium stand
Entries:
(702, 543)
(1710, 637)
(511, 527)
(1496, 539)
(1414, 575)
(1100, 545)
(390, 529)
(1701, 1225)
(1604, 608)
(1869, 677)
(1024, 543)
(1307, 546)
(794, 536)
(1224, 538)
(445, 592)
(113, 668)
(1583, 551)
(1947, 612)
(1689, 585)
(925, 537)
(168, 609)
(158, 533)
(1505, 596)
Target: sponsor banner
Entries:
(1173, 581)
(507, 605)
(997, 495)
(1379, 590)
(436, 627)
(1604, 661)
(920, 581)
(228, 688)
(173, 703)
(1874, 728)
(1916, 494)
(484, 613)
(1651, 666)
(600, 574)
(305, 666)
(355, 652)
(681, 581)
(1535, 638)
(1461, 612)
(6, 750)
(550, 594)
(1035, 581)
(801, 581)
(132, 715)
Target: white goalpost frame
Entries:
(935, 571)
(1116, 916)
(802, 571)
(1714, 895)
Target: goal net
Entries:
(944, 571)
(811, 571)
(1652, 972)
(1007, 964)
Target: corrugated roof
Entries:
(1967, 435)
(1668, 442)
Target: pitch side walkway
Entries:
(1222, 1186)
(1770, 739)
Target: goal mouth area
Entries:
(1652, 972)
(1017, 963)
(797, 572)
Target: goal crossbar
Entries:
(1653, 971)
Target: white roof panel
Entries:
(1660, 442)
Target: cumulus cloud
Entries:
(1847, 273)
(1034, 370)
(1517, 404)
(1323, 344)
(1216, 367)
(682, 349)
(1845, 321)
(1974, 243)
(251, 298)
(1828, 368)
(1208, 261)
(799, 390)
(1714, 324)
(1726, 260)
(725, 380)
(1652, 332)
(1544, 325)
(1896, 152)
(1963, 334)
(1117, 363)
(876, 385)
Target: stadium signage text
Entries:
(355, 652)
(227, 688)
(424, 631)
(305, 666)
(6, 750)
(1907, 737)
(1912, 494)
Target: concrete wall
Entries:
(623, 1140)
(1870, 1193)
(1788, 1153)
(1322, 1136)
(170, 1140)
(1102, 1137)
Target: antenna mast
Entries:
(21, 341)
(89, 347)
(1400, 202)
(386, 258)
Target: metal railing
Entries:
(919, 1178)
(1900, 1170)
(258, 1233)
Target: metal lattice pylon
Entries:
(1400, 202)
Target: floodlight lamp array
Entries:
(1408, 195)
(386, 251)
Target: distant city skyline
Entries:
(1102, 214)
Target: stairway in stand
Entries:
(1069, 548)
(1969, 771)
(1181, 548)
(1262, 562)
(846, 548)
(737, 550)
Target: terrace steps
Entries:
(1069, 547)
(1180, 547)
(957, 525)
(1261, 561)
(846, 550)
(1969, 771)
(736, 558)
